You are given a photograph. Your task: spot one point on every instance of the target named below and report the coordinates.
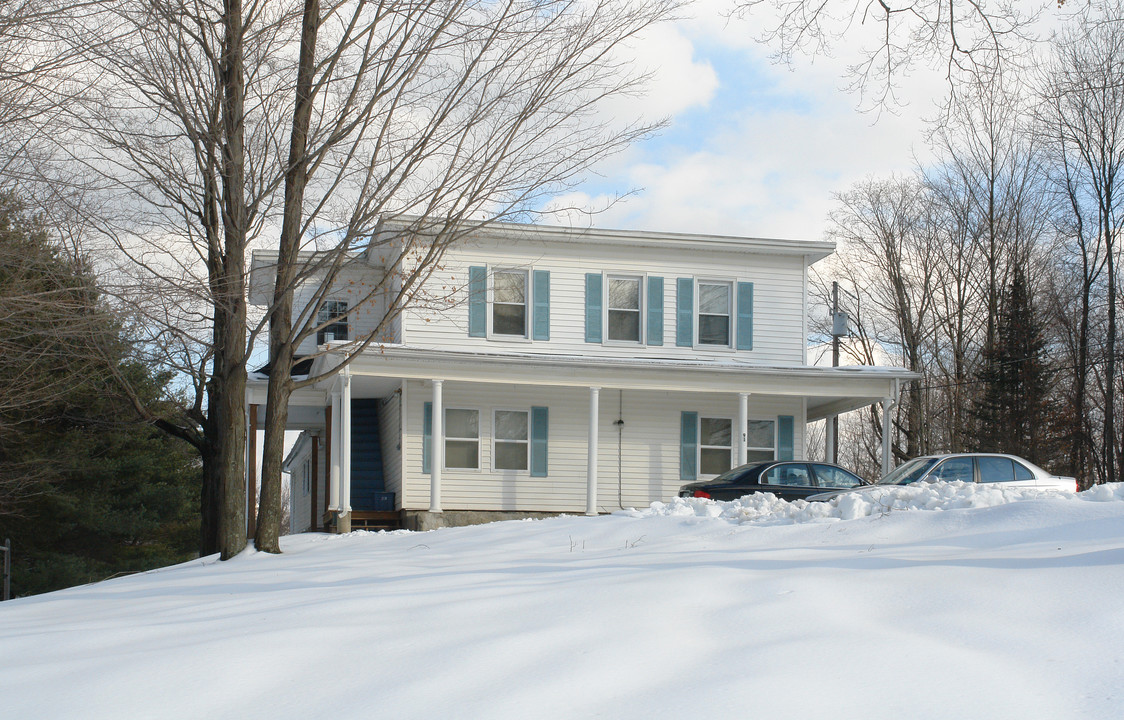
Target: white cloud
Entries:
(754, 148)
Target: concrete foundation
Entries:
(421, 520)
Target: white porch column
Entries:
(436, 448)
(345, 444)
(334, 456)
(829, 439)
(887, 408)
(743, 428)
(591, 467)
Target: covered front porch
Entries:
(467, 437)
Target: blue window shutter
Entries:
(745, 316)
(685, 312)
(689, 446)
(540, 325)
(478, 301)
(427, 435)
(593, 294)
(655, 310)
(785, 437)
(539, 433)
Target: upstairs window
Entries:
(332, 317)
(624, 309)
(509, 303)
(714, 313)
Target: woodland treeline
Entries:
(993, 269)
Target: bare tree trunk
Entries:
(281, 350)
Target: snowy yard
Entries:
(986, 604)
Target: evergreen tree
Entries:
(86, 490)
(1014, 408)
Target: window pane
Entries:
(510, 287)
(624, 294)
(714, 330)
(1022, 472)
(713, 461)
(792, 475)
(714, 431)
(714, 299)
(833, 477)
(462, 454)
(995, 469)
(511, 425)
(462, 423)
(755, 456)
(955, 469)
(509, 319)
(759, 434)
(511, 456)
(624, 325)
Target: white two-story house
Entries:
(571, 371)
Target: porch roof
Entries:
(828, 390)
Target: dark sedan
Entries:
(788, 480)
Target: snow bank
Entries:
(768, 509)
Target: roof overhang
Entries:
(828, 390)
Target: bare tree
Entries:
(206, 127)
(886, 232)
(971, 39)
(1082, 113)
(462, 113)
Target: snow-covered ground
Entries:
(936, 602)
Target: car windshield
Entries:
(910, 472)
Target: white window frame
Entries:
(447, 438)
(528, 303)
(749, 449)
(731, 331)
(642, 280)
(495, 438)
(733, 447)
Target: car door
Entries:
(1004, 470)
(789, 481)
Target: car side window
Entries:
(996, 469)
(1022, 472)
(795, 475)
(955, 469)
(833, 477)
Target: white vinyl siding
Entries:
(778, 299)
(645, 470)
(354, 283)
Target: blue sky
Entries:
(753, 148)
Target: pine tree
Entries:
(1013, 410)
(86, 489)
